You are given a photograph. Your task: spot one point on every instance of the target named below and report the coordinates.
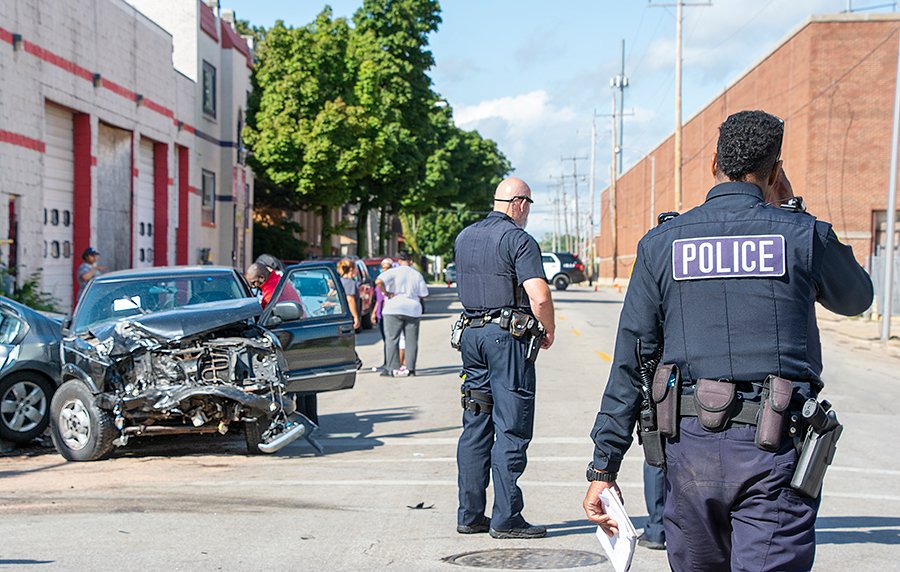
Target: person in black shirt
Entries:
(498, 267)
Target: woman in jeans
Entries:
(346, 269)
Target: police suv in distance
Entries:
(562, 269)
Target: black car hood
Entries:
(187, 321)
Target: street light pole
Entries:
(890, 216)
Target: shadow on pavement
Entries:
(4, 474)
(584, 526)
(887, 530)
(24, 562)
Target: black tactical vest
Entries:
(485, 271)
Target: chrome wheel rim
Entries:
(75, 424)
(23, 406)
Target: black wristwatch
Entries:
(595, 475)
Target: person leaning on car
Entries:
(260, 277)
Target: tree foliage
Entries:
(347, 114)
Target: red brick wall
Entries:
(833, 84)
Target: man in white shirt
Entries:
(403, 287)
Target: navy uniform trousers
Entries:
(495, 443)
(720, 486)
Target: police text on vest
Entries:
(728, 257)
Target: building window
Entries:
(209, 197)
(209, 89)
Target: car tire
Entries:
(308, 404)
(253, 431)
(80, 429)
(24, 406)
(561, 281)
(366, 321)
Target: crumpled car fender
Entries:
(163, 400)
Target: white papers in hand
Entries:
(619, 548)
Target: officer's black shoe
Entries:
(481, 526)
(527, 531)
(651, 544)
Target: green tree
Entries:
(390, 60)
(460, 177)
(437, 230)
(307, 136)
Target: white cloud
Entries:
(521, 112)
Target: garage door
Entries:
(143, 207)
(114, 197)
(59, 189)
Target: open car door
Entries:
(309, 315)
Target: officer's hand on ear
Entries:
(781, 190)
(593, 507)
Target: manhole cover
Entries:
(526, 559)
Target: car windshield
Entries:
(374, 270)
(107, 301)
(567, 258)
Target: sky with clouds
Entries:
(530, 74)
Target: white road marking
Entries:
(424, 441)
(366, 483)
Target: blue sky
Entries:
(530, 73)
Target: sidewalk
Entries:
(861, 329)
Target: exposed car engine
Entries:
(158, 377)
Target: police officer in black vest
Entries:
(727, 292)
(508, 316)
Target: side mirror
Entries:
(66, 326)
(285, 312)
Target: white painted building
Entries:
(207, 50)
(104, 142)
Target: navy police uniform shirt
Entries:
(729, 288)
(494, 257)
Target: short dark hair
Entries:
(405, 256)
(749, 144)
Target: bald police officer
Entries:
(728, 291)
(508, 313)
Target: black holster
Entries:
(773, 412)
(666, 395)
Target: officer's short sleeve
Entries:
(526, 256)
(843, 286)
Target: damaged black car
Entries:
(167, 351)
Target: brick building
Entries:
(832, 81)
(101, 142)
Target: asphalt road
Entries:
(202, 504)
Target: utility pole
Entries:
(613, 227)
(556, 220)
(652, 191)
(679, 21)
(591, 248)
(574, 176)
(620, 82)
(567, 238)
(885, 304)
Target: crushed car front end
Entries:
(202, 368)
